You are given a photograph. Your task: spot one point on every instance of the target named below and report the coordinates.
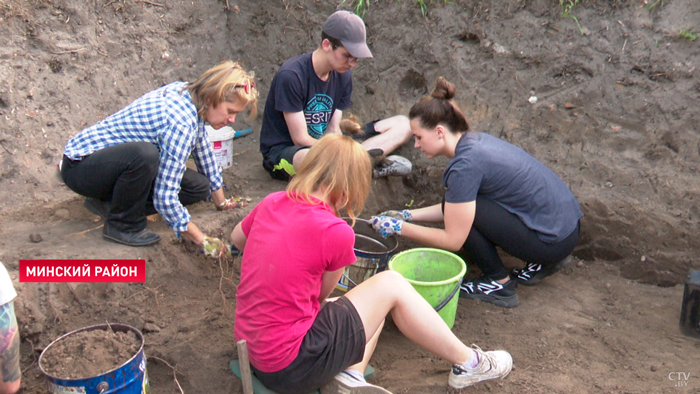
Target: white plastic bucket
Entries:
(222, 143)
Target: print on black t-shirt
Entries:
(318, 113)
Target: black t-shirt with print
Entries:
(296, 88)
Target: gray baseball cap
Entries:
(350, 30)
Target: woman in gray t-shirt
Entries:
(496, 194)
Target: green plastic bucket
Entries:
(436, 275)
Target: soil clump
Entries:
(89, 353)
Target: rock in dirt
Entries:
(62, 214)
(150, 327)
(36, 238)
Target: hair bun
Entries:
(351, 125)
(443, 89)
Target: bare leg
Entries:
(299, 158)
(387, 292)
(369, 350)
(394, 132)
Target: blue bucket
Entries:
(372, 251)
(130, 378)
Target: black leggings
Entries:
(494, 226)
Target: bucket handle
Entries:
(352, 281)
(349, 280)
(449, 298)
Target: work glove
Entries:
(232, 203)
(386, 225)
(404, 215)
(215, 248)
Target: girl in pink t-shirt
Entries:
(295, 247)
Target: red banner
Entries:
(82, 270)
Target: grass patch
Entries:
(688, 35)
(361, 6)
(566, 7)
(655, 4)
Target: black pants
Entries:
(494, 226)
(123, 175)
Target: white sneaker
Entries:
(393, 165)
(344, 383)
(492, 365)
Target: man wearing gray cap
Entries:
(308, 96)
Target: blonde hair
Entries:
(351, 125)
(225, 82)
(339, 167)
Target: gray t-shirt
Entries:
(506, 174)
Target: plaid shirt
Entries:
(167, 118)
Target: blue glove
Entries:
(404, 215)
(386, 225)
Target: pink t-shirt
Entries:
(289, 246)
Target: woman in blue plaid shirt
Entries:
(133, 163)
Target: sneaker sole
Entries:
(544, 273)
(505, 302)
(337, 387)
(455, 383)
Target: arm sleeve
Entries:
(247, 221)
(339, 245)
(175, 146)
(206, 162)
(462, 181)
(7, 290)
(289, 92)
(346, 86)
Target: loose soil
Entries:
(91, 353)
(615, 116)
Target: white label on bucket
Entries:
(56, 389)
(223, 153)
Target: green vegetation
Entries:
(361, 6)
(566, 7)
(424, 6)
(654, 5)
(688, 35)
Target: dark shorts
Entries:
(279, 160)
(334, 342)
